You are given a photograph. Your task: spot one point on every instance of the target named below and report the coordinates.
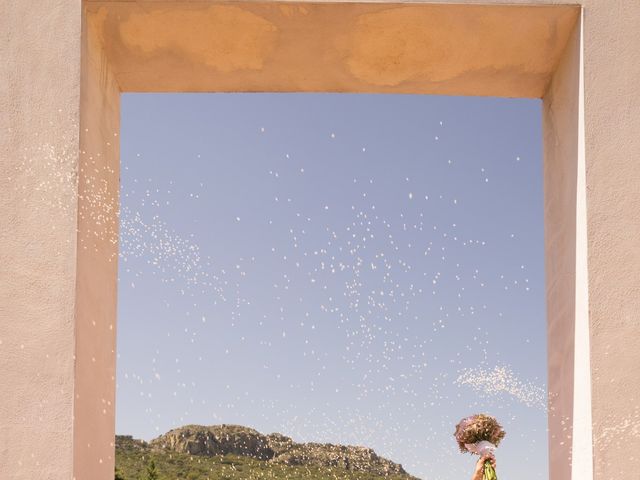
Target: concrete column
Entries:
(612, 154)
(97, 261)
(561, 146)
(39, 118)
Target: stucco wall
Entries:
(351, 47)
(54, 288)
(612, 150)
(560, 115)
(96, 264)
(39, 118)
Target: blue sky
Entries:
(345, 268)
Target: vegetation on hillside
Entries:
(137, 460)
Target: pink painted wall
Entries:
(39, 125)
(54, 288)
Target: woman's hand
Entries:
(479, 471)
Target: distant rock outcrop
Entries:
(357, 459)
(216, 440)
(275, 448)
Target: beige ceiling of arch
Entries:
(336, 47)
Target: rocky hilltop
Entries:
(273, 449)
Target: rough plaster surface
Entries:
(612, 146)
(560, 115)
(363, 47)
(96, 260)
(39, 118)
(59, 283)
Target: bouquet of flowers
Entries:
(480, 434)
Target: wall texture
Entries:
(352, 47)
(39, 134)
(560, 118)
(96, 264)
(612, 150)
(59, 102)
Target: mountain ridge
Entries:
(256, 451)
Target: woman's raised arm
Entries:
(479, 471)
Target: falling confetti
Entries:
(302, 293)
(502, 380)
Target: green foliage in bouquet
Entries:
(489, 471)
